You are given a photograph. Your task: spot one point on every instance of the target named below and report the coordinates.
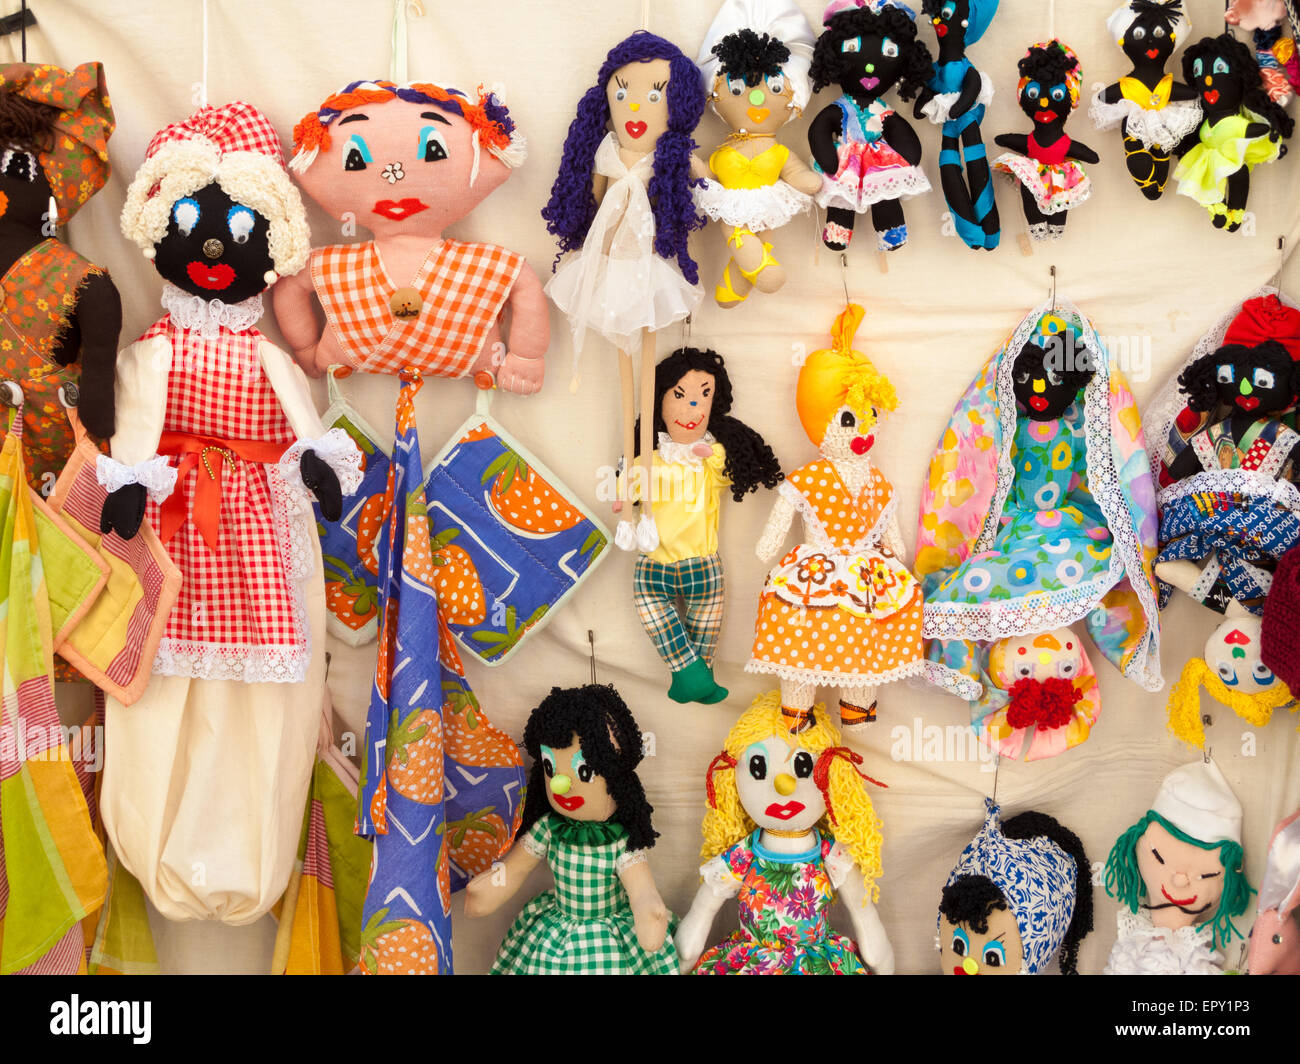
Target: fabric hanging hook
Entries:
(397, 61)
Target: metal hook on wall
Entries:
(1281, 262)
(591, 641)
(1053, 288)
(844, 276)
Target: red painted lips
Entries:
(1177, 901)
(861, 444)
(786, 811)
(568, 802)
(635, 129)
(1211, 96)
(1038, 403)
(399, 209)
(213, 277)
(1045, 116)
(1247, 402)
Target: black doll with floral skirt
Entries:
(1045, 162)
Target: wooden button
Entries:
(405, 303)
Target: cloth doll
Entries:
(703, 454)
(423, 159)
(841, 609)
(621, 209)
(754, 61)
(867, 153)
(1041, 698)
(1233, 672)
(205, 776)
(55, 126)
(1155, 113)
(1045, 163)
(1276, 54)
(1280, 631)
(789, 825)
(955, 98)
(1242, 128)
(1039, 510)
(1179, 876)
(1019, 897)
(1275, 938)
(1227, 470)
(587, 816)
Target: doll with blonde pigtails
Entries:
(789, 825)
(755, 63)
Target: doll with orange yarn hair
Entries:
(789, 825)
(840, 609)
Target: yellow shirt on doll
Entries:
(687, 499)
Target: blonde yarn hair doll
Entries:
(789, 824)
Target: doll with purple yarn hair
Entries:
(622, 209)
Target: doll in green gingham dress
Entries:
(587, 816)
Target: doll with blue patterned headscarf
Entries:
(1021, 895)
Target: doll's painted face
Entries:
(1255, 380)
(760, 108)
(574, 789)
(1233, 655)
(24, 190)
(401, 167)
(1221, 87)
(638, 104)
(775, 783)
(1048, 374)
(1148, 41)
(996, 950)
(850, 434)
(1046, 102)
(950, 20)
(1036, 657)
(870, 64)
(1183, 882)
(687, 406)
(214, 247)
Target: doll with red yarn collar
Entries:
(407, 161)
(208, 771)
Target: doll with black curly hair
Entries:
(1021, 895)
(1045, 163)
(868, 154)
(754, 61)
(587, 816)
(1243, 127)
(702, 453)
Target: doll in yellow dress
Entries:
(840, 609)
(755, 61)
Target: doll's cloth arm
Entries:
(800, 175)
(650, 914)
(491, 889)
(1082, 152)
(99, 322)
(868, 931)
(777, 527)
(291, 302)
(141, 401)
(900, 136)
(719, 885)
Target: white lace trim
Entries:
(628, 858)
(948, 679)
(336, 449)
(937, 110)
(721, 880)
(876, 187)
(836, 677)
(535, 847)
(1249, 482)
(1046, 232)
(756, 209)
(209, 316)
(681, 453)
(989, 622)
(233, 661)
(156, 474)
(1141, 948)
(1163, 128)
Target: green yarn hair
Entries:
(1124, 881)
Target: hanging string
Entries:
(397, 71)
(1051, 21)
(997, 764)
(22, 27)
(203, 85)
(645, 14)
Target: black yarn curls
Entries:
(1244, 68)
(750, 461)
(1200, 381)
(1032, 825)
(1162, 13)
(1048, 65)
(599, 719)
(751, 56)
(832, 66)
(969, 900)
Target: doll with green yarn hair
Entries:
(1179, 876)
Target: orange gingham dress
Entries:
(236, 617)
(463, 288)
(840, 609)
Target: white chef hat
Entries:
(777, 18)
(1197, 800)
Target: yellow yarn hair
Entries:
(856, 826)
(1185, 702)
(839, 376)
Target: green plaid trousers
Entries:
(680, 635)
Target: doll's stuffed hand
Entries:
(523, 376)
(651, 927)
(691, 938)
(322, 482)
(123, 511)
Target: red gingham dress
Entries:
(463, 287)
(238, 597)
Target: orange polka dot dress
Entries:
(840, 609)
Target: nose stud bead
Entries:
(212, 248)
(784, 784)
(560, 784)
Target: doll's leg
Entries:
(983, 201)
(624, 536)
(857, 705)
(703, 595)
(1148, 168)
(734, 288)
(647, 535)
(891, 226)
(796, 704)
(1041, 226)
(757, 266)
(1234, 202)
(839, 228)
(655, 590)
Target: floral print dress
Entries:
(1053, 534)
(783, 901)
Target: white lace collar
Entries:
(209, 316)
(681, 453)
(1138, 924)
